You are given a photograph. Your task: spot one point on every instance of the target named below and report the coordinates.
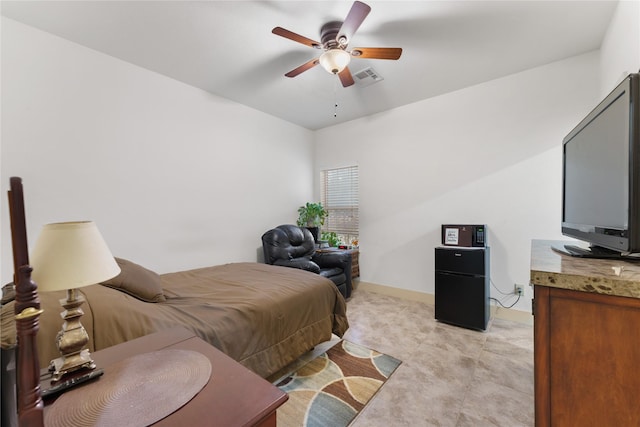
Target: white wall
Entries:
(488, 154)
(174, 177)
(620, 50)
(98, 138)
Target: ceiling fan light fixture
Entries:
(335, 60)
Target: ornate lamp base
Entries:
(71, 339)
(66, 364)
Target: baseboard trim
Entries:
(496, 312)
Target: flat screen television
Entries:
(601, 176)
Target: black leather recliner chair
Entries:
(292, 246)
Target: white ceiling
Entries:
(226, 47)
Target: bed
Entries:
(263, 316)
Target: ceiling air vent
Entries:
(367, 77)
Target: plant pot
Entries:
(314, 232)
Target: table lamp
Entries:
(68, 256)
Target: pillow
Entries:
(137, 281)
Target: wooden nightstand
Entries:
(355, 262)
(234, 396)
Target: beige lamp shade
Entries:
(335, 60)
(71, 255)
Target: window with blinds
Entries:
(339, 196)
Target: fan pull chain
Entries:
(335, 98)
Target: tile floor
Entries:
(450, 376)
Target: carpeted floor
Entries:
(449, 376)
(333, 388)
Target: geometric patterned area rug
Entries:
(334, 387)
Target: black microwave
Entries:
(465, 235)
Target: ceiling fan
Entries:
(335, 37)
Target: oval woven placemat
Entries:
(137, 391)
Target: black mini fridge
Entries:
(462, 286)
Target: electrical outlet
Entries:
(518, 289)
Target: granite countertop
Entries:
(603, 276)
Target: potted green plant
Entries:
(312, 216)
(331, 238)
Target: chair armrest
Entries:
(338, 259)
(301, 263)
(333, 259)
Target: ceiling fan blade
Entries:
(345, 77)
(377, 52)
(295, 37)
(304, 67)
(352, 22)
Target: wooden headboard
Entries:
(27, 310)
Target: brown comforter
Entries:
(261, 315)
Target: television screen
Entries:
(600, 176)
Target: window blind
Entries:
(339, 196)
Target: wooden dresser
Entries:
(586, 339)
